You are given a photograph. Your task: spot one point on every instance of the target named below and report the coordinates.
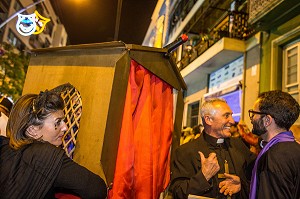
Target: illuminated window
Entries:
(225, 83)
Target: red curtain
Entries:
(142, 167)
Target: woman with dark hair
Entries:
(31, 164)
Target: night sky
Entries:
(93, 21)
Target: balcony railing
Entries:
(234, 25)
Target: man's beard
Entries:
(258, 127)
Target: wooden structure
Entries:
(100, 73)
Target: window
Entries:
(285, 68)
(233, 97)
(291, 64)
(229, 74)
(234, 101)
(193, 114)
(15, 41)
(225, 83)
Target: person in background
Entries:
(197, 130)
(277, 168)
(215, 164)
(234, 130)
(31, 164)
(186, 135)
(296, 132)
(241, 130)
(5, 108)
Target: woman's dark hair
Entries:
(281, 106)
(31, 109)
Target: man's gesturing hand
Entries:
(231, 185)
(210, 165)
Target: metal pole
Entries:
(118, 18)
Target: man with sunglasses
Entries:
(276, 173)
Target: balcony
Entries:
(220, 54)
(228, 36)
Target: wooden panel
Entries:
(115, 117)
(94, 85)
(161, 66)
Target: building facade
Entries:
(54, 34)
(236, 49)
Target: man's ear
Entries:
(208, 120)
(31, 131)
(267, 120)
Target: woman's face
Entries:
(53, 128)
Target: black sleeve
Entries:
(80, 181)
(277, 172)
(187, 177)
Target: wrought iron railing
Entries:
(234, 25)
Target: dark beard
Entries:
(258, 127)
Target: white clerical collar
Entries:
(220, 140)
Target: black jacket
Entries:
(278, 172)
(186, 174)
(37, 169)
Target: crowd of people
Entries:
(189, 134)
(220, 158)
